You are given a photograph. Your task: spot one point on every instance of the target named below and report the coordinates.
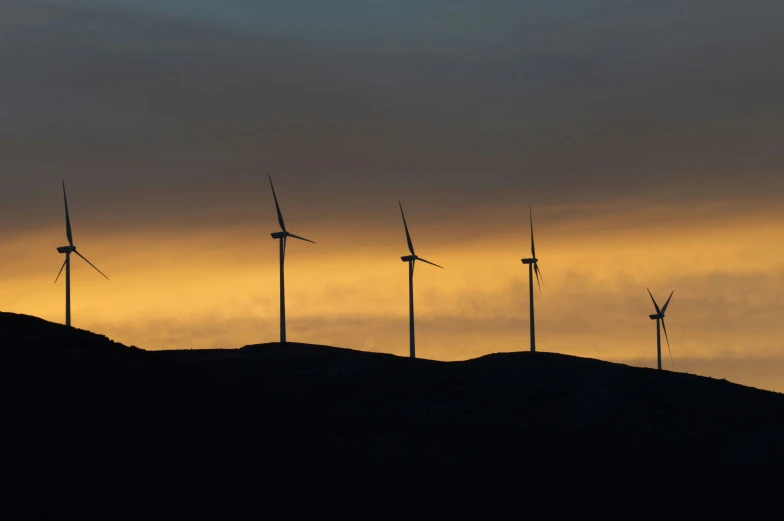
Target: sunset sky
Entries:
(647, 136)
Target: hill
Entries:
(98, 430)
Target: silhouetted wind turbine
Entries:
(67, 250)
(282, 235)
(533, 268)
(411, 259)
(659, 318)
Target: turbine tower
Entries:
(282, 235)
(411, 259)
(533, 269)
(68, 250)
(659, 318)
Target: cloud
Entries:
(185, 109)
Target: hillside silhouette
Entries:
(98, 430)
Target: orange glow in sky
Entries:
(219, 288)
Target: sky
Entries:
(645, 136)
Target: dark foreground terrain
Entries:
(93, 429)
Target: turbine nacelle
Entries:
(66, 249)
(283, 235)
(529, 261)
(655, 316)
(409, 258)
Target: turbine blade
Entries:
(654, 302)
(531, 217)
(67, 218)
(664, 326)
(408, 235)
(91, 264)
(284, 246)
(538, 275)
(301, 238)
(427, 261)
(277, 206)
(664, 309)
(59, 272)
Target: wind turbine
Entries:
(533, 269)
(411, 259)
(68, 250)
(659, 318)
(282, 235)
